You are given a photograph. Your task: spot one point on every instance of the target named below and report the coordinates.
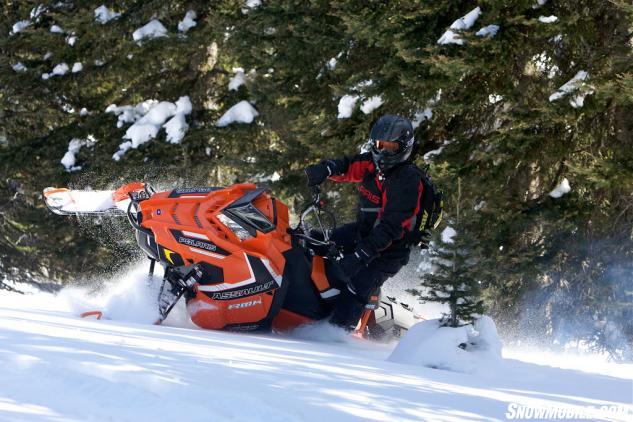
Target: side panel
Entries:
(302, 297)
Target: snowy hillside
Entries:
(56, 366)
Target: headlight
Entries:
(238, 230)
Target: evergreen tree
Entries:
(99, 64)
(452, 281)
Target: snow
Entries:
(71, 40)
(371, 104)
(59, 70)
(188, 22)
(57, 366)
(69, 159)
(346, 106)
(77, 67)
(37, 12)
(448, 234)
(238, 80)
(83, 112)
(148, 117)
(251, 4)
(428, 344)
(494, 98)
(429, 155)
(543, 63)
(575, 85)
(331, 64)
(461, 24)
(421, 115)
(20, 26)
(242, 112)
(560, 190)
(56, 29)
(153, 29)
(450, 37)
(547, 19)
(488, 31)
(19, 67)
(466, 21)
(103, 15)
(183, 105)
(176, 128)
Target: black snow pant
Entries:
(348, 309)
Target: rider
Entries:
(375, 247)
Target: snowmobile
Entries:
(233, 255)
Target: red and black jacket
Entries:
(388, 203)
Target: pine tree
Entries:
(452, 281)
(41, 111)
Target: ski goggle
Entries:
(389, 146)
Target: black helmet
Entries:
(391, 141)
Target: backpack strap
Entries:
(430, 214)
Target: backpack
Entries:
(429, 215)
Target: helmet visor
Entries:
(388, 146)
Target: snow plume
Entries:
(242, 112)
(460, 349)
(561, 189)
(321, 331)
(153, 29)
(69, 160)
(147, 118)
(128, 296)
(461, 24)
(188, 22)
(576, 85)
(104, 15)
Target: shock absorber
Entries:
(178, 281)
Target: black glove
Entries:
(317, 173)
(352, 263)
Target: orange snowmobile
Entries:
(232, 254)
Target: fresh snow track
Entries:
(55, 366)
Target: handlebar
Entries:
(315, 207)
